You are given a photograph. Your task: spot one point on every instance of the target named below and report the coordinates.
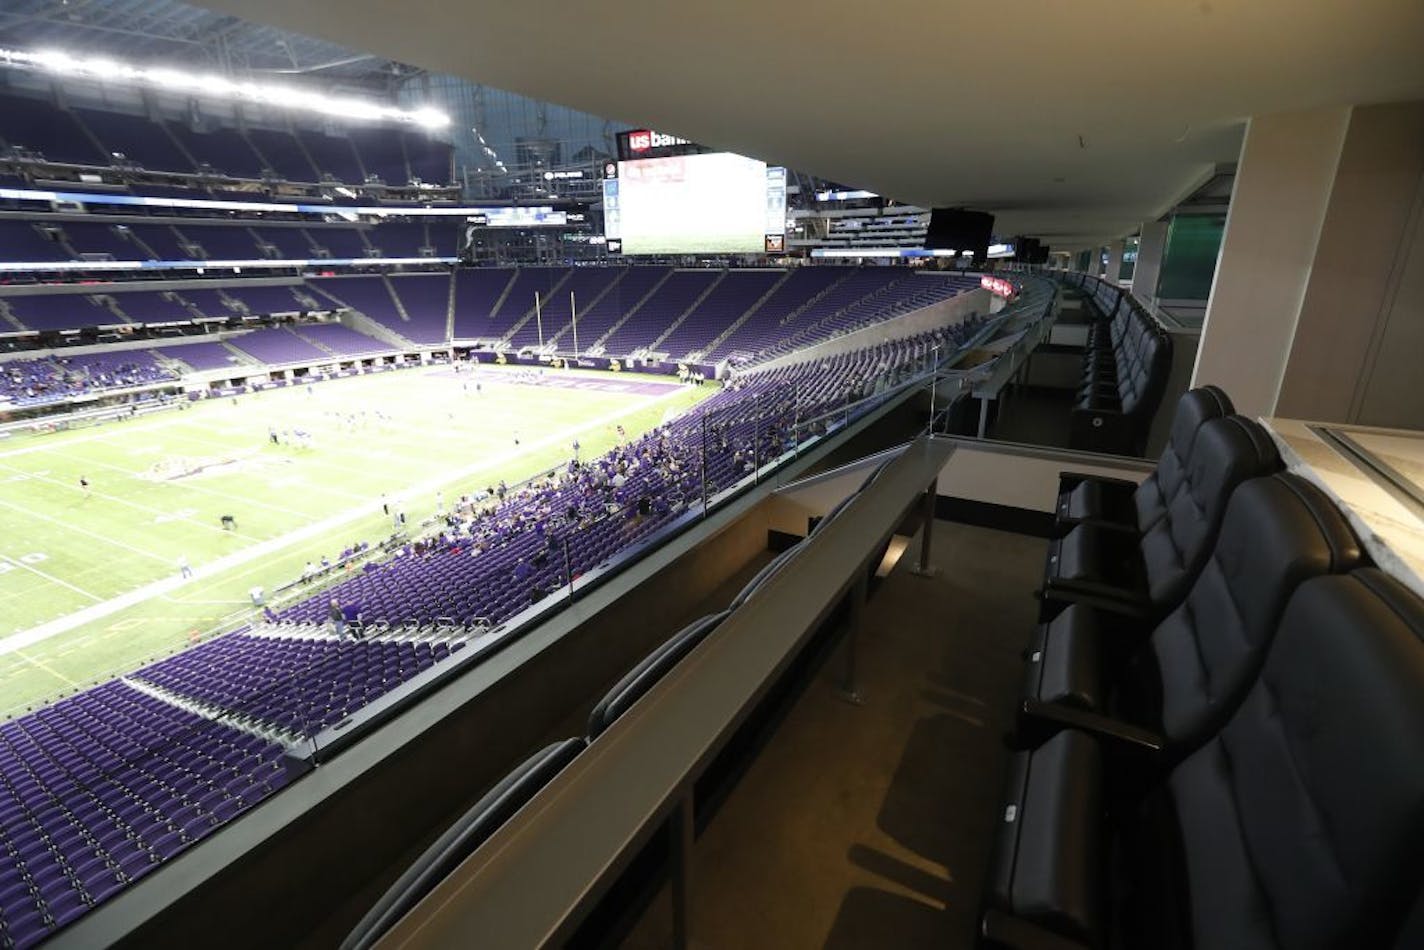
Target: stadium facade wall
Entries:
(949, 312)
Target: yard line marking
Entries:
(263, 549)
(47, 668)
(49, 577)
(134, 504)
(93, 534)
(189, 486)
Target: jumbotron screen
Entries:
(707, 203)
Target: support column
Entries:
(1151, 242)
(1114, 264)
(1317, 309)
(1360, 335)
(1282, 187)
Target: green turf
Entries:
(62, 551)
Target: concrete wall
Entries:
(1355, 354)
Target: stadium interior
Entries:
(711, 476)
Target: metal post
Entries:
(756, 451)
(569, 566)
(983, 415)
(573, 316)
(923, 569)
(933, 387)
(539, 319)
(680, 842)
(795, 420)
(858, 593)
(704, 463)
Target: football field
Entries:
(91, 581)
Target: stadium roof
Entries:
(1071, 121)
(179, 35)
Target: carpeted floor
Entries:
(868, 826)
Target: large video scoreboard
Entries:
(666, 195)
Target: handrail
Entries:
(532, 881)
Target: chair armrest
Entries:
(1050, 718)
(1101, 524)
(1074, 479)
(1120, 601)
(1004, 930)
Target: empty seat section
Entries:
(210, 302)
(340, 243)
(22, 241)
(60, 311)
(430, 159)
(265, 299)
(737, 291)
(477, 290)
(341, 340)
(764, 326)
(101, 787)
(224, 150)
(586, 284)
(291, 243)
(426, 299)
(45, 128)
(161, 241)
(200, 356)
(138, 138)
(519, 301)
(399, 238)
(371, 296)
(152, 306)
(222, 242)
(283, 154)
(444, 236)
(623, 296)
(381, 152)
(277, 346)
(672, 298)
(333, 156)
(99, 240)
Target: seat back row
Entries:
(1239, 768)
(1126, 362)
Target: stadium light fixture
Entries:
(104, 69)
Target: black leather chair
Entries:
(652, 668)
(1127, 360)
(1122, 505)
(1300, 824)
(1180, 680)
(1149, 575)
(461, 839)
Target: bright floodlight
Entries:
(177, 80)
